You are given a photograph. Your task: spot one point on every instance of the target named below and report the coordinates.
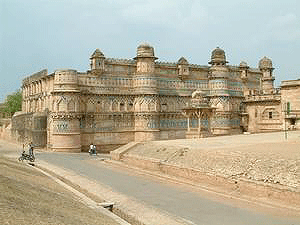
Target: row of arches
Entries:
(118, 104)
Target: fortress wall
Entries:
(141, 96)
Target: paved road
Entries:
(175, 200)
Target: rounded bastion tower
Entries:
(64, 118)
(267, 81)
(145, 82)
(226, 119)
(146, 103)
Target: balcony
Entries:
(262, 98)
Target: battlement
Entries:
(35, 77)
(120, 61)
(286, 83)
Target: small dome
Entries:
(145, 50)
(182, 60)
(265, 63)
(218, 56)
(97, 54)
(243, 64)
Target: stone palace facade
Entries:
(119, 101)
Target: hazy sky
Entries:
(52, 34)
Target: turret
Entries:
(244, 76)
(218, 64)
(145, 83)
(145, 79)
(266, 67)
(218, 57)
(145, 59)
(97, 62)
(65, 125)
(183, 68)
(222, 95)
(218, 72)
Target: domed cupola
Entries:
(218, 57)
(145, 51)
(265, 63)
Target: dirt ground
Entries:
(265, 158)
(29, 197)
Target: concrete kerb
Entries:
(84, 199)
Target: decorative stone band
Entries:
(68, 115)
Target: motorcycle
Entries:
(93, 151)
(25, 156)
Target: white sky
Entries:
(52, 34)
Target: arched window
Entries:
(130, 107)
(62, 106)
(122, 107)
(270, 114)
(164, 107)
(91, 105)
(71, 106)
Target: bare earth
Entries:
(29, 197)
(265, 158)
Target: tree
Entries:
(13, 103)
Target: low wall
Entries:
(29, 127)
(277, 194)
(118, 153)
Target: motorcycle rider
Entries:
(29, 156)
(92, 150)
(30, 150)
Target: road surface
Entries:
(173, 199)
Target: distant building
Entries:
(123, 100)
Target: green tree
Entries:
(13, 103)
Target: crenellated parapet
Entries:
(35, 77)
(120, 61)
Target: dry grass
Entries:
(29, 197)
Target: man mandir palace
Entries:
(119, 101)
